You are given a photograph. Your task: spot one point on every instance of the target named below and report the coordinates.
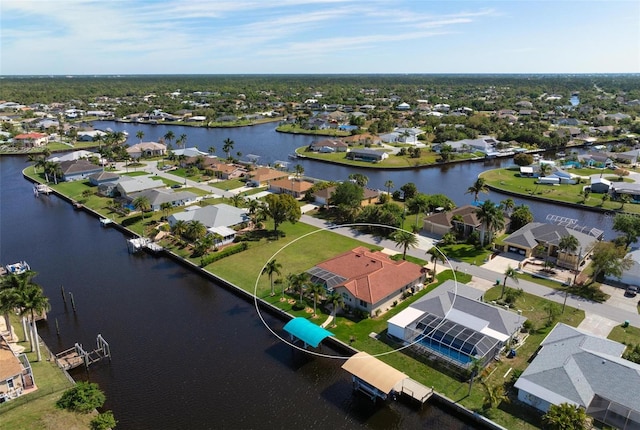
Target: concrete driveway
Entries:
(499, 263)
(619, 300)
(597, 325)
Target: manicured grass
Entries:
(230, 184)
(37, 410)
(510, 180)
(292, 128)
(629, 335)
(465, 252)
(135, 173)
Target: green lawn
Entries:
(510, 180)
(627, 336)
(466, 252)
(292, 128)
(37, 410)
(229, 184)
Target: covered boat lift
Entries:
(306, 331)
(372, 376)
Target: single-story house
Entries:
(581, 369)
(631, 276)
(542, 240)
(220, 215)
(329, 145)
(102, 177)
(29, 140)
(76, 170)
(159, 196)
(368, 280)
(75, 155)
(189, 152)
(295, 187)
(367, 155)
(322, 197)
(484, 144)
(228, 171)
(453, 324)
(15, 373)
(263, 175)
(600, 185)
(90, 135)
(133, 184)
(147, 149)
(631, 189)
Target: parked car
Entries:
(631, 291)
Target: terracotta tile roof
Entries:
(292, 185)
(372, 276)
(467, 212)
(9, 364)
(262, 174)
(30, 136)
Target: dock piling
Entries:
(57, 327)
(73, 302)
(64, 299)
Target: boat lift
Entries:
(77, 355)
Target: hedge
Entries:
(210, 258)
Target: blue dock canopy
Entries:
(306, 331)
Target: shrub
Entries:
(83, 398)
(210, 258)
(103, 421)
(298, 306)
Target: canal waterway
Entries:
(187, 353)
(263, 140)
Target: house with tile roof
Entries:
(328, 145)
(453, 324)
(323, 196)
(368, 280)
(463, 220)
(147, 149)
(581, 369)
(31, 140)
(263, 175)
(295, 187)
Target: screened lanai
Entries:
(451, 341)
(328, 279)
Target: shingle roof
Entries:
(534, 233)
(220, 215)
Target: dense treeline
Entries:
(476, 91)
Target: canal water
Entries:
(187, 354)
(264, 141)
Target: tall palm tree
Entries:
(337, 301)
(405, 240)
(359, 179)
(491, 217)
(195, 230)
(272, 268)
(140, 135)
(299, 170)
(228, 147)
(33, 302)
(545, 169)
(479, 186)
(508, 205)
(317, 290)
(182, 140)
(142, 203)
(436, 255)
(569, 244)
(237, 199)
(300, 283)
(389, 184)
(8, 303)
(509, 273)
(169, 136)
(212, 150)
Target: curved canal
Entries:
(186, 352)
(271, 146)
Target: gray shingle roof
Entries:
(537, 232)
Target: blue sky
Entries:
(318, 36)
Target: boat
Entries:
(293, 156)
(41, 189)
(17, 268)
(105, 221)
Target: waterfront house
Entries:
(157, 197)
(31, 140)
(76, 155)
(366, 154)
(541, 240)
(453, 325)
(228, 171)
(322, 197)
(15, 373)
(76, 170)
(90, 135)
(462, 220)
(133, 184)
(369, 281)
(103, 177)
(147, 149)
(220, 215)
(263, 175)
(295, 187)
(189, 152)
(630, 189)
(328, 145)
(584, 370)
(600, 185)
(362, 139)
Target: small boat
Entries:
(17, 268)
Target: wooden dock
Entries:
(77, 356)
(414, 389)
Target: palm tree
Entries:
(474, 368)
(405, 240)
(509, 273)
(272, 267)
(299, 170)
(316, 289)
(624, 199)
(491, 217)
(179, 228)
(508, 205)
(545, 169)
(32, 302)
(142, 204)
(337, 301)
(166, 207)
(212, 150)
(300, 282)
(8, 303)
(195, 230)
(236, 199)
(228, 147)
(436, 255)
(182, 140)
(479, 186)
(389, 184)
(169, 136)
(140, 135)
(495, 395)
(359, 179)
(569, 244)
(565, 416)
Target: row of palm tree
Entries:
(19, 293)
